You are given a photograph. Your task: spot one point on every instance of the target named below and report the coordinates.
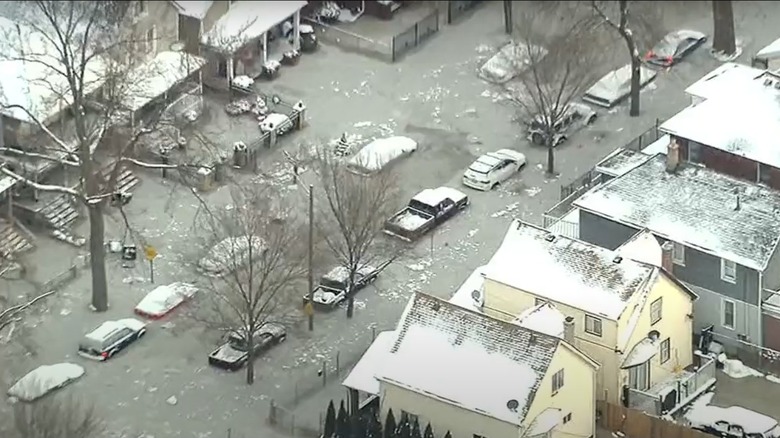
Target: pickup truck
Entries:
(233, 354)
(425, 211)
(332, 289)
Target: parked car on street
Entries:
(230, 254)
(233, 354)
(44, 380)
(332, 289)
(276, 121)
(493, 168)
(732, 422)
(163, 299)
(111, 337)
(425, 211)
(674, 47)
(574, 117)
(615, 86)
(379, 154)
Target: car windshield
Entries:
(332, 283)
(417, 205)
(237, 342)
(667, 47)
(484, 164)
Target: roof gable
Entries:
(567, 271)
(696, 207)
(468, 359)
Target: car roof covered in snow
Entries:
(568, 271)
(107, 328)
(614, 85)
(698, 207)
(434, 197)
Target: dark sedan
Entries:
(674, 47)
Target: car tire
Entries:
(537, 139)
(112, 353)
(140, 334)
(281, 339)
(562, 139)
(591, 119)
(495, 186)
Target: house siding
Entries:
(189, 33)
(579, 379)
(165, 18)
(602, 231)
(215, 12)
(443, 417)
(506, 303)
(771, 278)
(708, 310)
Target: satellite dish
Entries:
(654, 335)
(178, 46)
(476, 295)
(512, 405)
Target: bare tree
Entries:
(636, 23)
(79, 49)
(352, 217)
(558, 66)
(724, 40)
(258, 259)
(56, 416)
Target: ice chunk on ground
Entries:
(734, 368)
(44, 380)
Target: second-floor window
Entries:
(729, 312)
(151, 40)
(656, 310)
(728, 271)
(678, 254)
(592, 325)
(557, 381)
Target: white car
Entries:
(44, 380)
(616, 85)
(276, 121)
(163, 299)
(378, 154)
(230, 254)
(493, 168)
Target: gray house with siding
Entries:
(724, 232)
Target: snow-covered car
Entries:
(233, 354)
(732, 422)
(379, 154)
(110, 338)
(163, 299)
(674, 47)
(45, 379)
(276, 121)
(574, 117)
(615, 86)
(332, 289)
(230, 254)
(493, 168)
(512, 59)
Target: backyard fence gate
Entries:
(415, 35)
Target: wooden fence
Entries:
(636, 424)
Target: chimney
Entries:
(568, 330)
(672, 156)
(666, 256)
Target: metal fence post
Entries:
(324, 373)
(338, 366)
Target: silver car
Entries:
(575, 116)
(493, 168)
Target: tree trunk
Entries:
(636, 82)
(724, 40)
(250, 361)
(97, 257)
(350, 287)
(508, 24)
(551, 155)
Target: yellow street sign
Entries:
(308, 309)
(151, 252)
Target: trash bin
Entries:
(129, 252)
(240, 154)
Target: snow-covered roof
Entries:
(152, 79)
(464, 296)
(246, 20)
(193, 8)
(621, 161)
(746, 124)
(728, 78)
(29, 79)
(433, 197)
(696, 207)
(468, 359)
(770, 51)
(543, 318)
(659, 146)
(544, 422)
(642, 247)
(363, 375)
(568, 271)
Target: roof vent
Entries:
(436, 306)
(617, 260)
(549, 237)
(767, 82)
(777, 85)
(476, 295)
(531, 339)
(512, 405)
(738, 203)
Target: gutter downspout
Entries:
(761, 309)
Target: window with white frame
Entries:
(728, 314)
(592, 325)
(728, 271)
(151, 40)
(639, 377)
(678, 254)
(656, 310)
(666, 350)
(557, 381)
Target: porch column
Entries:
(297, 30)
(265, 47)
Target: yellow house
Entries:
(629, 314)
(477, 376)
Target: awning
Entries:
(642, 352)
(153, 79)
(247, 20)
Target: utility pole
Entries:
(508, 17)
(310, 305)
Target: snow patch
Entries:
(734, 368)
(509, 209)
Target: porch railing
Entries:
(675, 393)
